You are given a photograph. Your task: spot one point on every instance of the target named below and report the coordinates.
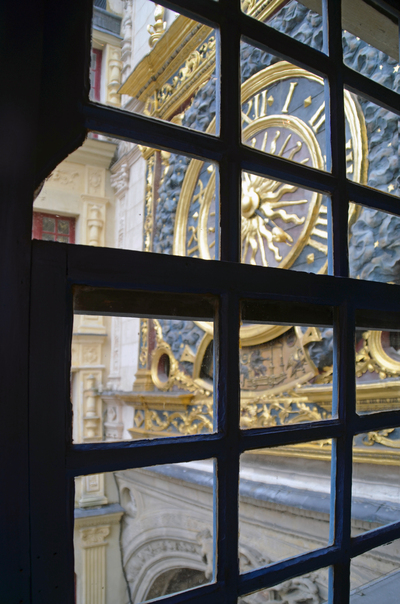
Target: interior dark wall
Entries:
(44, 54)
(64, 82)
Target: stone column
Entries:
(94, 564)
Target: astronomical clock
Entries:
(286, 371)
(283, 114)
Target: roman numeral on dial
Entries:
(318, 118)
(285, 108)
(257, 104)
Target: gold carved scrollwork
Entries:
(248, 5)
(148, 221)
(157, 30)
(381, 438)
(175, 375)
(264, 411)
(290, 409)
(198, 419)
(194, 63)
(371, 357)
(144, 330)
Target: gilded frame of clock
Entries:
(251, 89)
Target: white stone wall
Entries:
(143, 15)
(129, 188)
(129, 352)
(135, 203)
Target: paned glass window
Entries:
(95, 73)
(230, 433)
(52, 227)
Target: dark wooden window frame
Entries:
(60, 270)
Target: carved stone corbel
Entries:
(95, 225)
(94, 220)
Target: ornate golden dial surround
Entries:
(264, 199)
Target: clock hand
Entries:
(265, 219)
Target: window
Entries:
(48, 227)
(100, 280)
(95, 74)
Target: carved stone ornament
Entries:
(95, 225)
(157, 30)
(94, 536)
(302, 590)
(65, 178)
(157, 548)
(120, 179)
(90, 355)
(126, 32)
(95, 181)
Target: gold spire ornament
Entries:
(157, 30)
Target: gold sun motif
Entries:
(261, 205)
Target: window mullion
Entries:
(285, 47)
(373, 198)
(230, 129)
(228, 461)
(375, 538)
(279, 168)
(371, 90)
(50, 422)
(99, 457)
(344, 401)
(333, 36)
(152, 133)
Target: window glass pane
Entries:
(371, 42)
(286, 374)
(284, 226)
(283, 109)
(376, 480)
(373, 246)
(311, 588)
(49, 224)
(375, 575)
(284, 507)
(139, 378)
(133, 197)
(47, 237)
(286, 370)
(375, 147)
(299, 20)
(151, 60)
(62, 227)
(143, 533)
(377, 371)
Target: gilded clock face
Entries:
(285, 226)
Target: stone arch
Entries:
(158, 557)
(174, 581)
